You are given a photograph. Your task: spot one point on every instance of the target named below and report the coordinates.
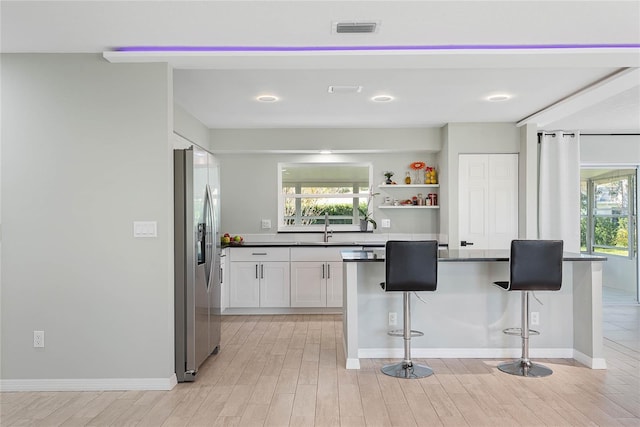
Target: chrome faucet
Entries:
(327, 233)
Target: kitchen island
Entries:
(465, 316)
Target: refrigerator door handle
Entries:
(208, 236)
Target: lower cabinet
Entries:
(256, 281)
(283, 277)
(264, 284)
(316, 277)
(316, 284)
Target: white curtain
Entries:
(559, 188)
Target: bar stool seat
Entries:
(410, 266)
(534, 265)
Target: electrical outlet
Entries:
(386, 223)
(266, 224)
(393, 318)
(535, 318)
(38, 338)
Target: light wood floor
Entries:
(288, 370)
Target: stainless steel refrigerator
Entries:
(197, 260)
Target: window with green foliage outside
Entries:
(311, 192)
(607, 209)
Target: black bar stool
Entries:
(535, 265)
(410, 266)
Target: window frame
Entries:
(355, 227)
(591, 216)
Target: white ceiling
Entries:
(431, 86)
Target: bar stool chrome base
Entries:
(408, 371)
(522, 368)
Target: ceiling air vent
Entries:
(356, 27)
(344, 89)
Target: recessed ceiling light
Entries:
(267, 98)
(382, 98)
(499, 97)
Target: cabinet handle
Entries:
(258, 253)
(323, 271)
(328, 271)
(256, 271)
(262, 271)
(221, 275)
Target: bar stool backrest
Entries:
(411, 265)
(536, 265)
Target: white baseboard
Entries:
(465, 353)
(353, 364)
(97, 384)
(593, 363)
(287, 310)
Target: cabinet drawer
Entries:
(319, 254)
(258, 254)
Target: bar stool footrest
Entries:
(518, 331)
(400, 333)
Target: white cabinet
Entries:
(334, 284)
(259, 277)
(316, 277)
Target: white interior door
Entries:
(487, 200)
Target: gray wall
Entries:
(249, 178)
(469, 138)
(314, 140)
(86, 151)
(189, 129)
(610, 149)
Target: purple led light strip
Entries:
(371, 48)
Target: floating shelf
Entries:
(408, 185)
(408, 207)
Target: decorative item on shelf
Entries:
(432, 199)
(417, 167)
(407, 179)
(420, 199)
(367, 214)
(388, 175)
(430, 175)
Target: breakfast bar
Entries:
(465, 316)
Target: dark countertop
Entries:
(456, 255)
(306, 244)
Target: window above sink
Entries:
(309, 191)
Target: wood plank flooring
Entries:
(289, 370)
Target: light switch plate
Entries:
(266, 224)
(386, 223)
(145, 229)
